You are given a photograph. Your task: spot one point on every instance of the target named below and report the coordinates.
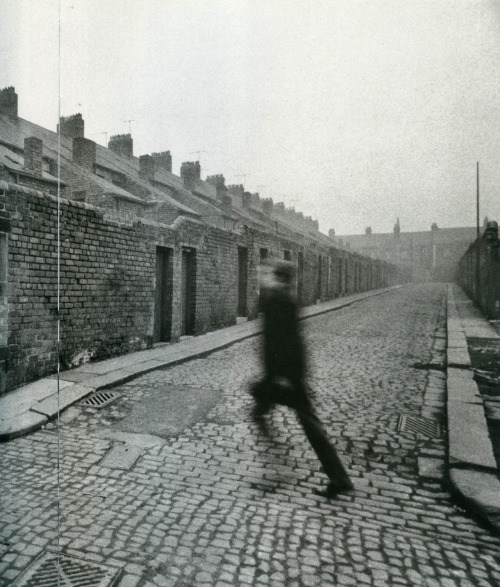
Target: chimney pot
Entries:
(8, 102)
(219, 182)
(71, 126)
(163, 160)
(190, 172)
(122, 145)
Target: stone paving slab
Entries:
(468, 438)
(481, 490)
(145, 366)
(458, 357)
(52, 404)
(22, 424)
(462, 387)
(20, 400)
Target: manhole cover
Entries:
(122, 456)
(419, 426)
(70, 572)
(99, 399)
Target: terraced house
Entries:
(142, 256)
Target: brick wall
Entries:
(108, 280)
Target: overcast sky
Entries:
(354, 112)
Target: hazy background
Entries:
(354, 112)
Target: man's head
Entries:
(284, 272)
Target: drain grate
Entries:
(419, 426)
(71, 572)
(99, 399)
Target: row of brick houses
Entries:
(142, 256)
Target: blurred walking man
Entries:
(283, 383)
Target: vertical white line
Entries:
(58, 292)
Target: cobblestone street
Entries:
(206, 500)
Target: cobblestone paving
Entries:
(218, 504)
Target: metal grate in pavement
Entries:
(99, 399)
(425, 426)
(71, 572)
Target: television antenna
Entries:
(129, 125)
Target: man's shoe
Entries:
(333, 489)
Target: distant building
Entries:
(428, 255)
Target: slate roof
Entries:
(15, 162)
(199, 201)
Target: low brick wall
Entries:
(478, 271)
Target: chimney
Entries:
(397, 229)
(279, 208)
(256, 202)
(227, 203)
(84, 152)
(122, 145)
(71, 126)
(163, 160)
(331, 233)
(434, 226)
(8, 102)
(247, 200)
(267, 206)
(219, 182)
(190, 172)
(33, 155)
(147, 167)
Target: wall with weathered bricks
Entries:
(108, 279)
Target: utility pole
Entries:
(478, 252)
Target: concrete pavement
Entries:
(473, 469)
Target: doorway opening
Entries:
(188, 291)
(163, 295)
